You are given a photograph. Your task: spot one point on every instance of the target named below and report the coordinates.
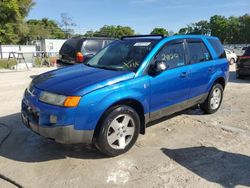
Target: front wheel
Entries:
(214, 99)
(118, 130)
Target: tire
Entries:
(214, 100)
(232, 61)
(118, 130)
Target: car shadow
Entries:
(24, 145)
(232, 78)
(221, 167)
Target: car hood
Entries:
(79, 79)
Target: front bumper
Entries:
(65, 134)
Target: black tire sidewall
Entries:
(101, 141)
(206, 106)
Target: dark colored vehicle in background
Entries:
(79, 50)
(243, 64)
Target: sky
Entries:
(141, 15)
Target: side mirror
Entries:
(159, 66)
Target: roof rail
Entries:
(141, 36)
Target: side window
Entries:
(173, 55)
(92, 45)
(219, 49)
(198, 52)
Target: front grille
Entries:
(32, 113)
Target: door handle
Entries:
(184, 74)
(211, 68)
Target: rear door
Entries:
(202, 68)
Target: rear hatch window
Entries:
(70, 47)
(92, 46)
(247, 52)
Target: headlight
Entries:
(59, 100)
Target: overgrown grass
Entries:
(37, 62)
(4, 63)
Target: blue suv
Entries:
(132, 81)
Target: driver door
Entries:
(170, 88)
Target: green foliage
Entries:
(4, 63)
(244, 28)
(45, 28)
(89, 34)
(219, 25)
(202, 28)
(159, 31)
(229, 30)
(183, 31)
(15, 30)
(111, 31)
(12, 25)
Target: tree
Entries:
(219, 26)
(89, 33)
(111, 31)
(183, 31)
(45, 28)
(67, 22)
(233, 30)
(12, 25)
(202, 27)
(199, 28)
(244, 28)
(159, 31)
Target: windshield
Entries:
(122, 55)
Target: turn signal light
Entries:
(72, 101)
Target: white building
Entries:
(50, 46)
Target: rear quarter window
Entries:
(92, 45)
(219, 49)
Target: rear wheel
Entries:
(214, 99)
(118, 131)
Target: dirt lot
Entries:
(188, 149)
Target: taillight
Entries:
(79, 57)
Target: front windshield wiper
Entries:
(108, 68)
(105, 67)
(89, 65)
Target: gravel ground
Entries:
(188, 149)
